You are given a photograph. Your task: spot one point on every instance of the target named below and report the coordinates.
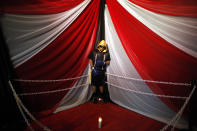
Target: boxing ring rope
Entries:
(176, 118)
(150, 81)
(144, 93)
(21, 106)
(53, 91)
(58, 80)
(172, 122)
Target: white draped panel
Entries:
(76, 96)
(179, 31)
(26, 35)
(121, 65)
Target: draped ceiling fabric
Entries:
(49, 47)
(148, 39)
(38, 7)
(159, 47)
(29, 34)
(121, 65)
(169, 7)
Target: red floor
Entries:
(85, 118)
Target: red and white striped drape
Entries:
(148, 39)
(51, 46)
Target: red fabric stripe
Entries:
(153, 57)
(170, 7)
(37, 6)
(65, 57)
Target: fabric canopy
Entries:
(57, 48)
(147, 39)
(38, 6)
(170, 7)
(150, 106)
(28, 34)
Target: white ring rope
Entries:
(176, 118)
(151, 81)
(48, 92)
(173, 121)
(24, 117)
(25, 109)
(144, 93)
(58, 80)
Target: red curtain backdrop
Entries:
(65, 57)
(170, 7)
(37, 6)
(153, 57)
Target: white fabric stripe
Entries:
(76, 96)
(179, 31)
(121, 65)
(26, 35)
